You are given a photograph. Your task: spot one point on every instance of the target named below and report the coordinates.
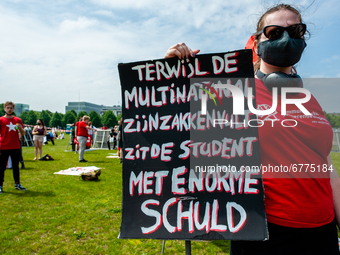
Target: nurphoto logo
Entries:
(238, 103)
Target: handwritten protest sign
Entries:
(188, 173)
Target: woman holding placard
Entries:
(302, 213)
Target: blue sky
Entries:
(54, 52)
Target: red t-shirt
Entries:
(9, 137)
(294, 201)
(82, 130)
(77, 125)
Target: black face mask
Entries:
(8, 113)
(283, 52)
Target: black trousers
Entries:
(114, 144)
(292, 241)
(49, 138)
(15, 156)
(21, 158)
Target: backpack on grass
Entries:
(47, 157)
(91, 176)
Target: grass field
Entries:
(65, 215)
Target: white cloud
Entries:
(79, 24)
(105, 13)
(331, 59)
(126, 3)
(77, 48)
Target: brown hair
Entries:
(260, 26)
(85, 117)
(42, 122)
(9, 103)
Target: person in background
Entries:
(82, 136)
(112, 138)
(72, 136)
(39, 132)
(104, 127)
(115, 137)
(49, 137)
(76, 133)
(55, 133)
(91, 132)
(10, 144)
(21, 139)
(120, 140)
(61, 135)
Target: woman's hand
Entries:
(20, 127)
(180, 50)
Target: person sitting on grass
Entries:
(61, 135)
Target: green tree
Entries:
(69, 117)
(49, 113)
(95, 119)
(2, 111)
(73, 111)
(119, 116)
(109, 119)
(337, 121)
(81, 114)
(57, 120)
(24, 117)
(328, 117)
(332, 120)
(31, 118)
(45, 116)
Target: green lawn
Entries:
(65, 215)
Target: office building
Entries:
(117, 109)
(89, 107)
(20, 108)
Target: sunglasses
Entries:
(274, 32)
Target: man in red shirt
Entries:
(10, 144)
(82, 136)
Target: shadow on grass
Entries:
(224, 245)
(103, 162)
(49, 160)
(31, 193)
(27, 168)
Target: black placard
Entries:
(169, 193)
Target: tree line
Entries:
(334, 119)
(109, 119)
(61, 120)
